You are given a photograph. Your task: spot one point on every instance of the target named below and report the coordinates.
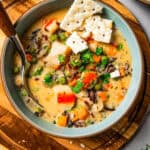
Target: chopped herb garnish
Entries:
(82, 68)
(98, 86)
(38, 71)
(104, 61)
(34, 60)
(87, 57)
(75, 61)
(67, 73)
(99, 51)
(62, 80)
(23, 92)
(105, 78)
(78, 87)
(120, 46)
(62, 36)
(35, 89)
(39, 110)
(88, 122)
(46, 49)
(48, 79)
(61, 59)
(32, 50)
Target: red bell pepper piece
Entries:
(89, 78)
(66, 98)
(49, 23)
(29, 57)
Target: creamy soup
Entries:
(75, 89)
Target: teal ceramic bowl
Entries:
(23, 24)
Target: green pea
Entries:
(48, 79)
(120, 46)
(38, 71)
(99, 51)
(62, 36)
(53, 37)
(61, 59)
(104, 62)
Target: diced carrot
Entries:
(73, 82)
(56, 67)
(49, 22)
(89, 78)
(96, 58)
(103, 96)
(91, 67)
(115, 45)
(122, 71)
(112, 51)
(90, 38)
(82, 113)
(62, 121)
(123, 84)
(107, 86)
(120, 97)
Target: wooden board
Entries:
(15, 133)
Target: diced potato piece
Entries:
(74, 115)
(93, 45)
(98, 106)
(56, 50)
(18, 80)
(111, 104)
(82, 113)
(79, 113)
(59, 48)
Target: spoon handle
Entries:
(5, 23)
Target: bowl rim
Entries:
(26, 118)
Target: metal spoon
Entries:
(9, 30)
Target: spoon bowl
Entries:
(9, 30)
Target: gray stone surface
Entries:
(142, 13)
